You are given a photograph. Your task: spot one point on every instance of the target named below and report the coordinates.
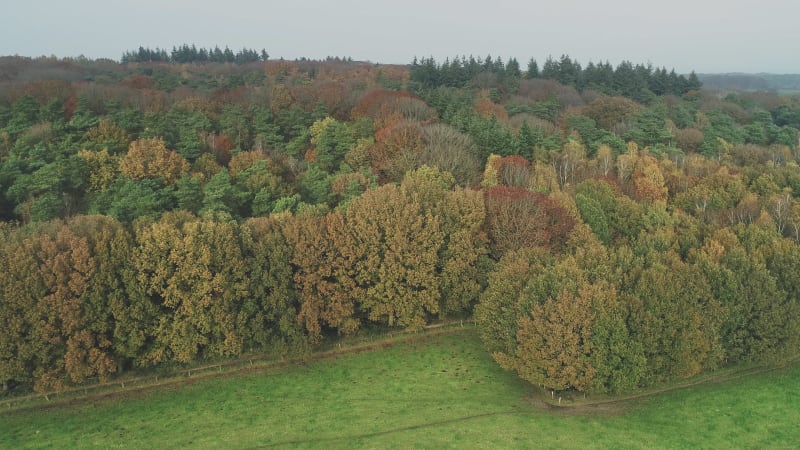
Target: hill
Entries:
(789, 83)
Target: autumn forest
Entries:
(606, 227)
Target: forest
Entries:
(608, 228)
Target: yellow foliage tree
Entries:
(648, 180)
(103, 168)
(150, 158)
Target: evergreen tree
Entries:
(533, 69)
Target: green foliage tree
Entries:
(676, 319)
(127, 199)
(268, 318)
(593, 215)
(189, 126)
(24, 114)
(331, 140)
(500, 304)
(220, 194)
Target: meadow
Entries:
(432, 391)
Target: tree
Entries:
(396, 150)
(648, 181)
(127, 199)
(268, 319)
(221, 195)
(189, 125)
(331, 140)
(605, 159)
(568, 160)
(24, 114)
(533, 69)
(608, 112)
(59, 297)
(102, 168)
(554, 343)
(461, 214)
(676, 318)
(109, 136)
(617, 358)
(559, 325)
(513, 171)
(150, 158)
(23, 348)
(195, 269)
(189, 193)
(512, 68)
(315, 186)
(235, 123)
(626, 162)
(114, 316)
(323, 301)
(451, 151)
(405, 287)
(491, 174)
(83, 117)
(780, 324)
(501, 303)
(518, 218)
(593, 215)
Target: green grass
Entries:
(437, 392)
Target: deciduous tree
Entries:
(150, 158)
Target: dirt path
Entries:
(617, 404)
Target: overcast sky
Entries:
(700, 35)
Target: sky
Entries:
(701, 35)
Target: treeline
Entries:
(88, 297)
(180, 212)
(190, 54)
(638, 82)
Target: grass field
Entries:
(439, 391)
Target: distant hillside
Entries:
(751, 82)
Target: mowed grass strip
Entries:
(441, 391)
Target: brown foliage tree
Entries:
(610, 111)
(554, 341)
(451, 151)
(322, 286)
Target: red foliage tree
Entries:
(517, 218)
(396, 150)
(373, 102)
